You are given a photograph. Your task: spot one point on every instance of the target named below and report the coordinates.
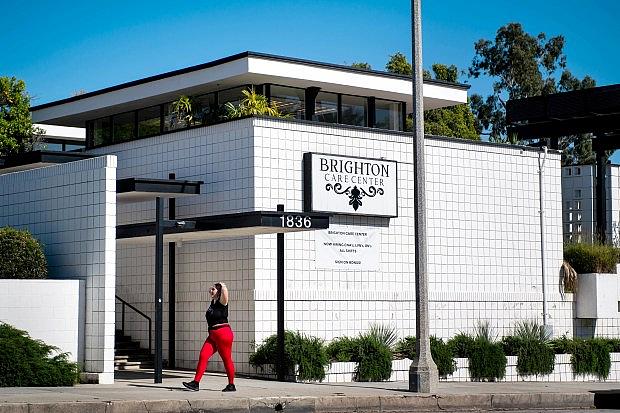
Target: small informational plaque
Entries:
(345, 247)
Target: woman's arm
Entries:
(224, 294)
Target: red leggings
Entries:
(219, 340)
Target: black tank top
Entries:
(217, 313)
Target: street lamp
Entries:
(423, 376)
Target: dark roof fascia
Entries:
(231, 59)
(221, 222)
(167, 186)
(43, 157)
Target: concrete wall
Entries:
(49, 310)
(71, 209)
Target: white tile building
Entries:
(483, 208)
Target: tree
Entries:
(361, 65)
(17, 133)
(454, 121)
(398, 64)
(522, 66)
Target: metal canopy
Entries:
(38, 159)
(226, 226)
(147, 189)
(595, 110)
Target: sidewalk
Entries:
(136, 392)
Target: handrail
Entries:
(125, 303)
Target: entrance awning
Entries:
(226, 226)
(147, 189)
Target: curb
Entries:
(329, 404)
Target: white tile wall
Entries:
(483, 228)
(71, 209)
(49, 310)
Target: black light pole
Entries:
(159, 287)
(280, 365)
(171, 288)
(423, 376)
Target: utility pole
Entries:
(423, 375)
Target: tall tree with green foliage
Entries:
(454, 121)
(17, 134)
(521, 66)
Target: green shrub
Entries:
(21, 255)
(535, 357)
(486, 360)
(530, 343)
(589, 258)
(614, 344)
(461, 345)
(443, 357)
(28, 362)
(341, 349)
(384, 334)
(405, 348)
(373, 358)
(591, 357)
(563, 345)
(306, 352)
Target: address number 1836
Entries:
(295, 221)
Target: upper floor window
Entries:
(326, 107)
(149, 121)
(289, 100)
(388, 114)
(354, 110)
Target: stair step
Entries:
(141, 357)
(132, 366)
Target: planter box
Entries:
(49, 310)
(598, 296)
(340, 372)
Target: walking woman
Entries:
(220, 338)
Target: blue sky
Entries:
(63, 46)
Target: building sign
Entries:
(345, 247)
(349, 185)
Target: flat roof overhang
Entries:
(38, 159)
(236, 70)
(241, 224)
(145, 189)
(595, 110)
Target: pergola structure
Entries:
(595, 110)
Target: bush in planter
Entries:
(591, 258)
(563, 345)
(443, 357)
(530, 343)
(487, 360)
(461, 345)
(591, 357)
(28, 362)
(341, 349)
(441, 352)
(304, 351)
(373, 358)
(21, 255)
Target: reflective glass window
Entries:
(354, 110)
(122, 126)
(149, 121)
(388, 115)
(326, 107)
(233, 95)
(289, 100)
(204, 109)
(102, 131)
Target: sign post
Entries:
(281, 366)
